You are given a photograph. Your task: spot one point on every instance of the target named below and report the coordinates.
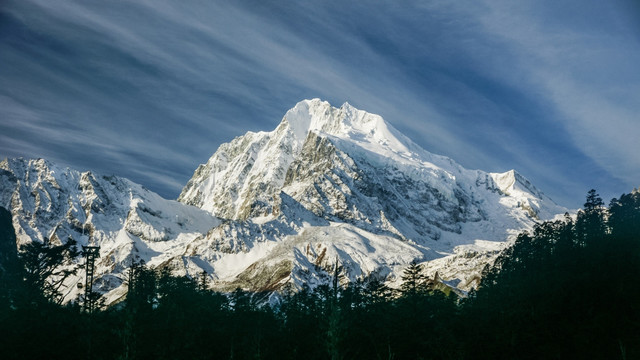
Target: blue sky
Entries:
(149, 89)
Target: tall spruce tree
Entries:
(590, 223)
(413, 280)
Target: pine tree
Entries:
(335, 314)
(203, 283)
(47, 267)
(594, 202)
(376, 291)
(413, 280)
(11, 272)
(590, 223)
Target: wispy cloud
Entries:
(580, 58)
(149, 89)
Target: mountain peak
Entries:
(300, 118)
(511, 182)
(346, 122)
(343, 181)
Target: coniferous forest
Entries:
(568, 290)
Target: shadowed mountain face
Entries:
(274, 208)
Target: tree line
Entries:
(568, 289)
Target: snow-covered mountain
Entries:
(126, 220)
(274, 208)
(364, 184)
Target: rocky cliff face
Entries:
(275, 208)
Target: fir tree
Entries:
(413, 280)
